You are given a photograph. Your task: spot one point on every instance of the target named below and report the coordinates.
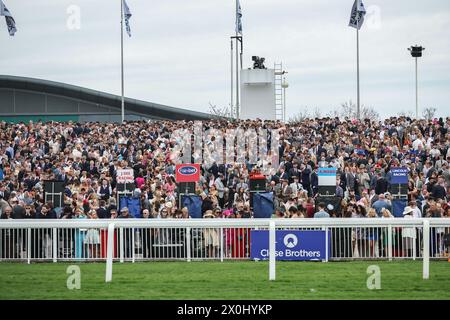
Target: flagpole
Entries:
(121, 59)
(232, 111)
(237, 64)
(358, 110)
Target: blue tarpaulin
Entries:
(194, 205)
(133, 205)
(263, 205)
(398, 206)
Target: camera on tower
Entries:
(258, 63)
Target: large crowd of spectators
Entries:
(87, 156)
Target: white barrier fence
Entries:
(212, 239)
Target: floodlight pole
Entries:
(417, 92)
(416, 52)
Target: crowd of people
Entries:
(86, 157)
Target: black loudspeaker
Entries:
(258, 185)
(54, 186)
(186, 187)
(53, 191)
(327, 191)
(122, 187)
(399, 189)
(334, 201)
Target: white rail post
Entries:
(426, 249)
(389, 242)
(221, 244)
(272, 248)
(29, 246)
(132, 246)
(55, 244)
(122, 244)
(109, 253)
(188, 244)
(326, 245)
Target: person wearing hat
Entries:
(408, 234)
(124, 213)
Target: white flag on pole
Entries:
(239, 18)
(127, 14)
(357, 16)
(10, 23)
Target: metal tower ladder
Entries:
(279, 102)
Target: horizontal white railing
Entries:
(206, 239)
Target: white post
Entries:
(426, 249)
(326, 245)
(188, 244)
(109, 253)
(272, 248)
(132, 246)
(389, 242)
(122, 245)
(55, 244)
(29, 246)
(121, 59)
(221, 244)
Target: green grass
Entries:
(227, 280)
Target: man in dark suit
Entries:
(381, 185)
(102, 211)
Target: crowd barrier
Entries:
(211, 239)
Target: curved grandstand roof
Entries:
(137, 107)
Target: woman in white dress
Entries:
(92, 238)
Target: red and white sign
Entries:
(187, 173)
(125, 176)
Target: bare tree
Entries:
(349, 110)
(300, 116)
(317, 114)
(222, 112)
(333, 114)
(369, 113)
(429, 113)
(403, 113)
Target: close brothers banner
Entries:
(290, 245)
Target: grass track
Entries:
(226, 280)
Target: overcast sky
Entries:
(179, 52)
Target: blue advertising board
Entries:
(290, 245)
(399, 175)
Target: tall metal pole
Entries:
(358, 107)
(232, 111)
(237, 64)
(417, 94)
(284, 101)
(121, 58)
